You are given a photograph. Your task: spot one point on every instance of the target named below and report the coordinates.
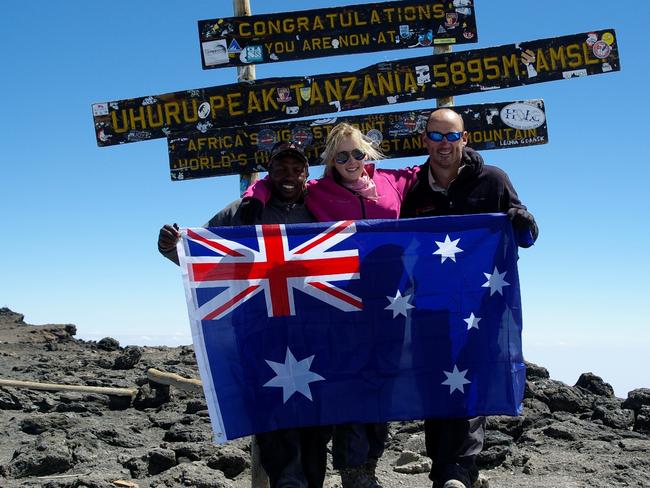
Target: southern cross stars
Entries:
(399, 304)
(456, 380)
(447, 249)
(472, 321)
(293, 376)
(495, 281)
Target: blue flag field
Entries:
(355, 321)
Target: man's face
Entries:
(288, 176)
(445, 154)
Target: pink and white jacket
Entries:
(327, 200)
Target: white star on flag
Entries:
(456, 380)
(495, 282)
(472, 321)
(399, 304)
(448, 249)
(293, 376)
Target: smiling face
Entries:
(288, 175)
(445, 155)
(352, 169)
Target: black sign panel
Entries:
(257, 39)
(405, 80)
(247, 149)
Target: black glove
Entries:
(250, 210)
(523, 219)
(167, 238)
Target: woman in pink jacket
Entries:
(352, 188)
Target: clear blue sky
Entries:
(81, 222)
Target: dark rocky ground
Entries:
(568, 436)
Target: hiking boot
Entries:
(357, 477)
(454, 484)
(481, 482)
(371, 469)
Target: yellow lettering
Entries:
(508, 63)
(288, 26)
(268, 100)
(541, 64)
(216, 102)
(345, 23)
(186, 116)
(316, 94)
(155, 123)
(191, 146)
(259, 28)
(389, 13)
(302, 23)
(557, 56)
(385, 82)
(381, 38)
(409, 82)
(253, 103)
(438, 11)
(357, 21)
(573, 53)
(409, 13)
(424, 12)
(172, 111)
(588, 55)
(349, 95)
(318, 24)
(374, 17)
(133, 118)
(247, 26)
(368, 87)
(333, 92)
(116, 127)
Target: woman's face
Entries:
(352, 169)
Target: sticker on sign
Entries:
(522, 116)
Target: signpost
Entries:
(362, 28)
(246, 149)
(404, 80)
(209, 130)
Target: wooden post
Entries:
(247, 73)
(244, 73)
(444, 101)
(100, 390)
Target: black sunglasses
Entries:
(436, 136)
(342, 157)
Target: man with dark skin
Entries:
(292, 458)
(455, 181)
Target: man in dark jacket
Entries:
(455, 181)
(292, 458)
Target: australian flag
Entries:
(355, 321)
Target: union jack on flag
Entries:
(274, 268)
(346, 322)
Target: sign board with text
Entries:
(361, 28)
(405, 80)
(398, 134)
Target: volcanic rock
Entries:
(567, 436)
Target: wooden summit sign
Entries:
(370, 27)
(405, 80)
(246, 149)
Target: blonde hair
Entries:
(335, 138)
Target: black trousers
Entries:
(355, 444)
(295, 458)
(452, 445)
